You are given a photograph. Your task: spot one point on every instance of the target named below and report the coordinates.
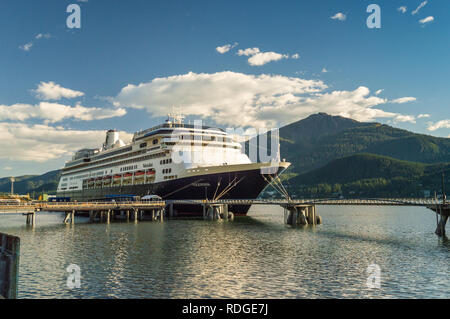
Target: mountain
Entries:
(28, 184)
(369, 175)
(323, 150)
(315, 141)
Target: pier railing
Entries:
(425, 202)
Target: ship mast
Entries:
(175, 118)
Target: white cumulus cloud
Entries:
(403, 100)
(266, 57)
(420, 116)
(339, 16)
(423, 4)
(248, 51)
(438, 125)
(40, 143)
(54, 112)
(225, 48)
(43, 35)
(27, 46)
(426, 20)
(52, 91)
(238, 99)
(402, 9)
(405, 118)
(258, 58)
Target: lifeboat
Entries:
(127, 175)
(117, 179)
(150, 176)
(106, 180)
(139, 177)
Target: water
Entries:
(252, 257)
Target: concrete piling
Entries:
(217, 212)
(301, 215)
(171, 213)
(70, 215)
(225, 212)
(31, 219)
(440, 229)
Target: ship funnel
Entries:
(112, 137)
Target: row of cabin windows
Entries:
(115, 158)
(143, 158)
(167, 171)
(170, 177)
(166, 161)
(205, 144)
(206, 138)
(128, 168)
(154, 142)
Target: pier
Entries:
(296, 212)
(107, 211)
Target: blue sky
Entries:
(170, 47)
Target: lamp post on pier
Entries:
(12, 179)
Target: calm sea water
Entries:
(253, 257)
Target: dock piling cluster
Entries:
(301, 215)
(217, 212)
(443, 212)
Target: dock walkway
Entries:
(297, 212)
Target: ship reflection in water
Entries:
(252, 257)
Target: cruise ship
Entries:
(173, 160)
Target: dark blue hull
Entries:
(242, 185)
